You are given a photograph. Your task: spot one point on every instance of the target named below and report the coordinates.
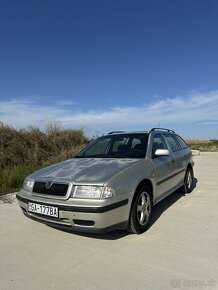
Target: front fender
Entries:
(127, 180)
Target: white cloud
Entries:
(209, 123)
(194, 108)
(21, 113)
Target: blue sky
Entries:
(110, 65)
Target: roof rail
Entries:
(113, 132)
(161, 129)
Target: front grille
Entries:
(58, 189)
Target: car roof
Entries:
(127, 132)
(142, 132)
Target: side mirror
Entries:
(161, 152)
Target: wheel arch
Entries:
(189, 166)
(145, 182)
(185, 187)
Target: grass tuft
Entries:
(25, 150)
(203, 145)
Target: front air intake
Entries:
(57, 189)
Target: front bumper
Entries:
(82, 218)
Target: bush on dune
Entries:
(204, 145)
(26, 150)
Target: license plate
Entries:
(43, 209)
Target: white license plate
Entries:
(43, 209)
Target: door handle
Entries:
(173, 160)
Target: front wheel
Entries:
(141, 211)
(188, 181)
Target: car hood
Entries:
(84, 170)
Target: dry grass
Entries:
(203, 145)
(26, 150)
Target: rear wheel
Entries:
(141, 211)
(188, 181)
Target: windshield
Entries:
(117, 146)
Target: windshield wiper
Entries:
(91, 156)
(119, 156)
(78, 156)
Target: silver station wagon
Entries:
(111, 184)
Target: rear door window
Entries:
(174, 144)
(181, 142)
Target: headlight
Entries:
(28, 185)
(84, 191)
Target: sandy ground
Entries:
(179, 251)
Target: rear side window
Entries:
(174, 145)
(181, 142)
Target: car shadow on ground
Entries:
(167, 202)
(158, 210)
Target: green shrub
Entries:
(11, 178)
(25, 150)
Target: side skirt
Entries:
(165, 194)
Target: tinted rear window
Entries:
(181, 142)
(174, 144)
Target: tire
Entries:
(188, 181)
(141, 210)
